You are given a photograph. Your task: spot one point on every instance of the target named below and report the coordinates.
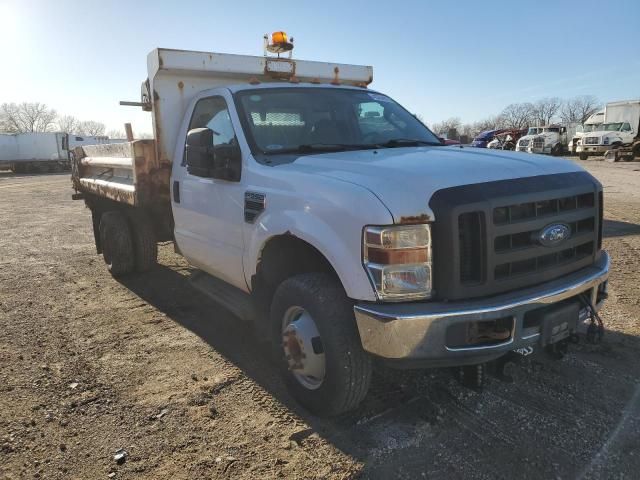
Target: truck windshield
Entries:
(315, 120)
(611, 127)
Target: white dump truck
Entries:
(328, 216)
(619, 129)
(550, 139)
(34, 152)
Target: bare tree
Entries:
(545, 109)
(579, 109)
(448, 128)
(67, 124)
(115, 133)
(91, 128)
(27, 117)
(491, 123)
(518, 115)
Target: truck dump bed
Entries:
(138, 173)
(123, 172)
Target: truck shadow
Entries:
(168, 289)
(425, 423)
(616, 228)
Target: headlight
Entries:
(398, 261)
(605, 141)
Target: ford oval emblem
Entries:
(554, 234)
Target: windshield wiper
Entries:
(409, 142)
(323, 147)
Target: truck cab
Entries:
(547, 139)
(590, 125)
(619, 128)
(330, 218)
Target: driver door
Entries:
(208, 212)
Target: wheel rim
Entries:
(303, 347)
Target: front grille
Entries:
(472, 245)
(487, 236)
(543, 262)
(591, 140)
(538, 143)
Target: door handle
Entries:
(176, 191)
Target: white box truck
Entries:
(329, 217)
(619, 128)
(34, 152)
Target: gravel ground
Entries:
(90, 365)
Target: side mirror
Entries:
(212, 161)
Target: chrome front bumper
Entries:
(593, 149)
(416, 332)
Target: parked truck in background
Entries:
(550, 139)
(590, 125)
(34, 152)
(343, 235)
(483, 138)
(619, 128)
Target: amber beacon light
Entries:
(279, 43)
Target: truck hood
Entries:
(404, 179)
(603, 133)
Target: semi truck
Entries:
(551, 139)
(347, 239)
(619, 129)
(34, 152)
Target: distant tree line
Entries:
(37, 117)
(522, 115)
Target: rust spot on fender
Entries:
(413, 220)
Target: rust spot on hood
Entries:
(413, 220)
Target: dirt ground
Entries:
(90, 365)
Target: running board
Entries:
(238, 302)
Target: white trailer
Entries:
(34, 152)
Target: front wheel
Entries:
(315, 336)
(583, 156)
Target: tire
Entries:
(583, 156)
(347, 367)
(117, 244)
(145, 245)
(556, 151)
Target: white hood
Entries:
(404, 179)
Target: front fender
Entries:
(331, 221)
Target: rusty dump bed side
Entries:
(123, 172)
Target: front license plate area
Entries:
(556, 322)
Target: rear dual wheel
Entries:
(128, 242)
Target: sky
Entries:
(440, 59)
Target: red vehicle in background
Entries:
(446, 141)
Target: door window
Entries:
(212, 113)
